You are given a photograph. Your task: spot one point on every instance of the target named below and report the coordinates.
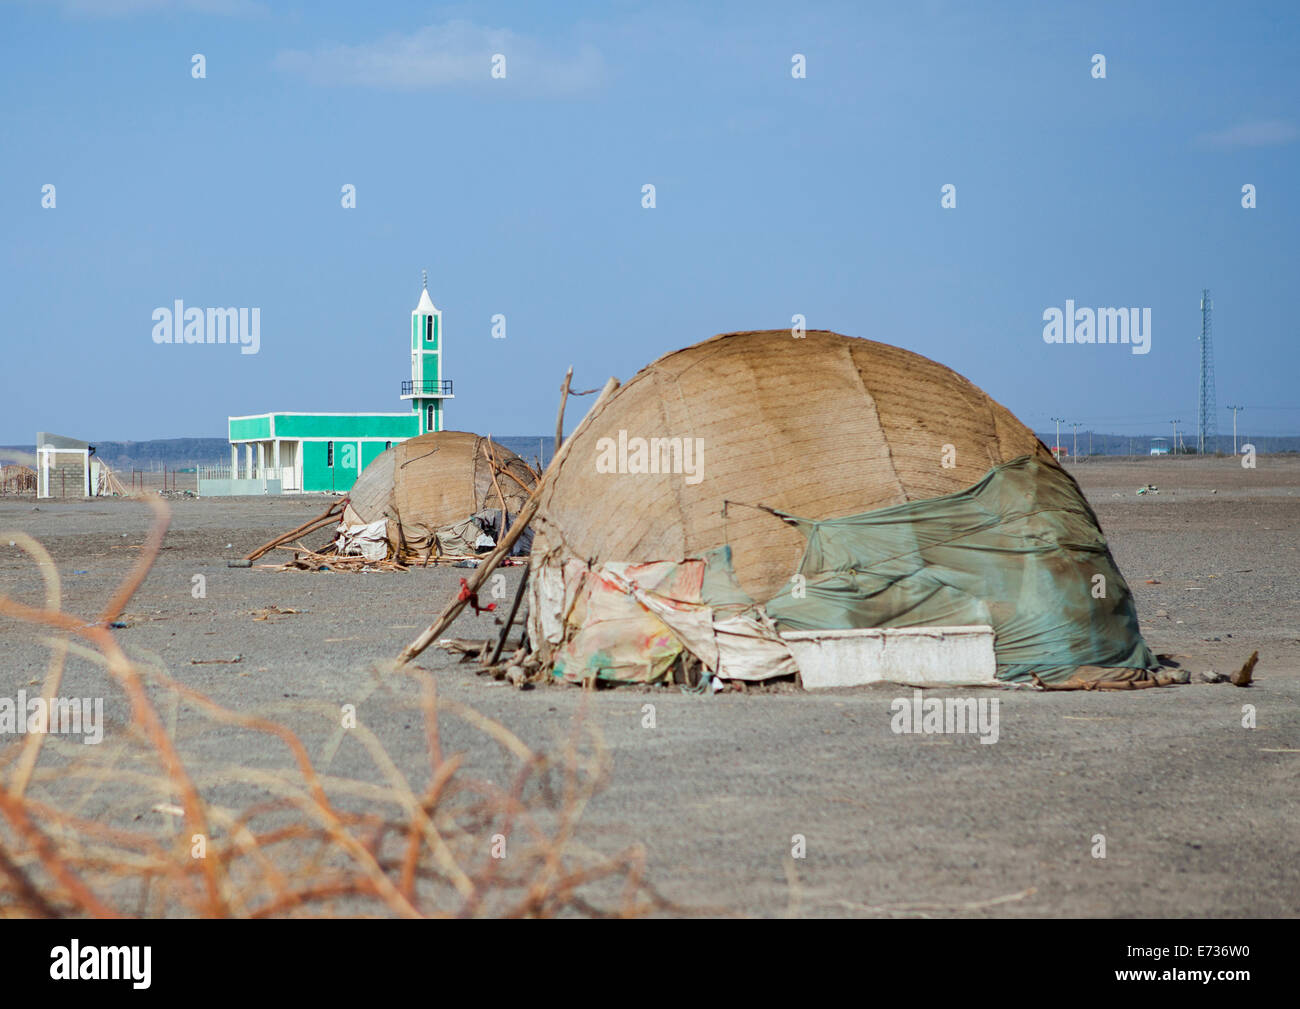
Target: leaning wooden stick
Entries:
(492, 470)
(490, 562)
(327, 517)
(510, 619)
(559, 418)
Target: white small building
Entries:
(63, 466)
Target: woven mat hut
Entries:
(428, 490)
(732, 459)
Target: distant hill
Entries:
(180, 453)
(174, 453)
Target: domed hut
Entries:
(757, 483)
(439, 494)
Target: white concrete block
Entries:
(954, 656)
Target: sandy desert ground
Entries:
(1201, 815)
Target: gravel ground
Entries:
(1199, 814)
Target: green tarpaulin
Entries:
(1021, 550)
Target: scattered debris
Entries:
(467, 648)
(1210, 676)
(1242, 677)
(272, 611)
(1158, 680)
(310, 560)
(1149, 489)
(218, 662)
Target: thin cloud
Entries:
(453, 55)
(132, 8)
(1272, 133)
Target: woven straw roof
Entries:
(821, 426)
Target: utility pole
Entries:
(1059, 422)
(1175, 423)
(1090, 443)
(1234, 410)
(1076, 438)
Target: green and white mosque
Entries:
(292, 452)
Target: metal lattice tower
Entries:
(1206, 439)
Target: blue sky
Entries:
(775, 196)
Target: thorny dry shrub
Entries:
(321, 844)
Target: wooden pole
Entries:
(510, 618)
(323, 519)
(452, 610)
(492, 468)
(559, 419)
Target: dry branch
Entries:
(320, 844)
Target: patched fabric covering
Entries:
(628, 623)
(369, 541)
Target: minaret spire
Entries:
(427, 390)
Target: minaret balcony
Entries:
(427, 390)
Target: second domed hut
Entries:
(439, 494)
